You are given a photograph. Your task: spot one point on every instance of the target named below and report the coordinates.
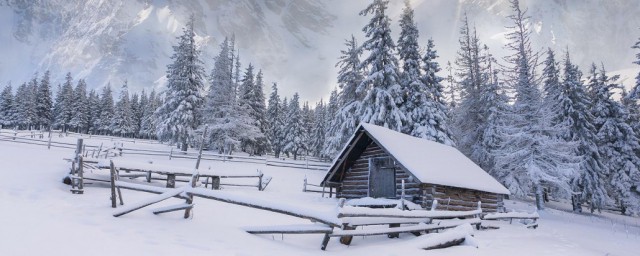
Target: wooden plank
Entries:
(291, 229)
(153, 200)
(172, 208)
(250, 202)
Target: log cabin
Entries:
(376, 160)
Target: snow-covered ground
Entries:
(40, 216)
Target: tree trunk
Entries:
(539, 197)
(184, 143)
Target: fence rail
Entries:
(32, 138)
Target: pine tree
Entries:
(283, 120)
(384, 94)
(274, 112)
(295, 131)
(318, 129)
(106, 111)
(147, 125)
(80, 115)
(24, 106)
(6, 107)
(93, 102)
(180, 113)
(122, 120)
(252, 103)
(468, 117)
(221, 109)
(617, 142)
(530, 158)
(434, 124)
(492, 106)
(572, 108)
(307, 124)
(342, 109)
(63, 106)
(44, 103)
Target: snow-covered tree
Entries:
(93, 102)
(294, 127)
(318, 129)
(63, 106)
(617, 142)
(6, 107)
(80, 117)
(435, 124)
(252, 103)
(180, 113)
(571, 106)
(274, 121)
(106, 111)
(469, 113)
(343, 108)
(529, 158)
(384, 94)
(148, 123)
(44, 103)
(122, 121)
(221, 109)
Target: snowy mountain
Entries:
(113, 40)
(296, 42)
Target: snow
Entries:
(511, 215)
(434, 163)
(42, 217)
(462, 231)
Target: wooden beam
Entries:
(153, 200)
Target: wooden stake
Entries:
(113, 184)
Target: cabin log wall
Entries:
(459, 199)
(356, 180)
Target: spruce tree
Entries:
(80, 116)
(468, 114)
(93, 102)
(6, 107)
(384, 94)
(530, 158)
(294, 127)
(106, 111)
(180, 113)
(44, 103)
(617, 142)
(63, 106)
(318, 129)
(147, 124)
(122, 120)
(343, 108)
(575, 110)
(221, 109)
(274, 114)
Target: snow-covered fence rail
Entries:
(311, 165)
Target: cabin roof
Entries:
(428, 161)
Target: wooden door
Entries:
(382, 178)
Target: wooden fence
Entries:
(102, 151)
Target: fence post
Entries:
(15, 134)
(49, 143)
(170, 153)
(260, 180)
(204, 134)
(304, 184)
(113, 184)
(80, 176)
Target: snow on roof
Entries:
(434, 163)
